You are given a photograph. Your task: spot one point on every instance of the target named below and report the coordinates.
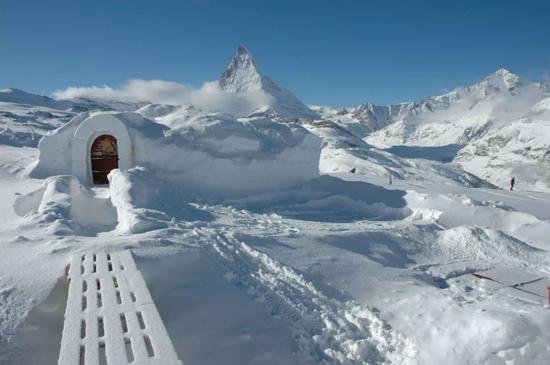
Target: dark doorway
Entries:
(104, 156)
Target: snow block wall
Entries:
(213, 155)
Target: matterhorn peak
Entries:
(241, 50)
(243, 76)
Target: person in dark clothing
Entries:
(512, 183)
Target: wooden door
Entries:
(104, 156)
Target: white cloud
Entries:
(208, 97)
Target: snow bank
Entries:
(455, 210)
(135, 199)
(329, 199)
(475, 243)
(67, 206)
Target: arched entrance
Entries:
(104, 156)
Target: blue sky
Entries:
(327, 52)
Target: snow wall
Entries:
(210, 156)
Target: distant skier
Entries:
(512, 183)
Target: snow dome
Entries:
(211, 154)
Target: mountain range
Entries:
(493, 128)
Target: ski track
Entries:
(327, 330)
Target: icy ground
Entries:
(346, 269)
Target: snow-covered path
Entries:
(326, 328)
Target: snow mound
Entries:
(219, 153)
(133, 199)
(476, 243)
(143, 203)
(329, 199)
(67, 207)
(455, 210)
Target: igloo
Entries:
(93, 144)
(210, 155)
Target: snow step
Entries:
(110, 317)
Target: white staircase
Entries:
(110, 317)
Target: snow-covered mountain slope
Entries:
(88, 104)
(243, 76)
(344, 152)
(175, 116)
(463, 114)
(22, 124)
(20, 97)
(457, 117)
(17, 96)
(520, 148)
(26, 117)
(366, 118)
(492, 128)
(152, 111)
